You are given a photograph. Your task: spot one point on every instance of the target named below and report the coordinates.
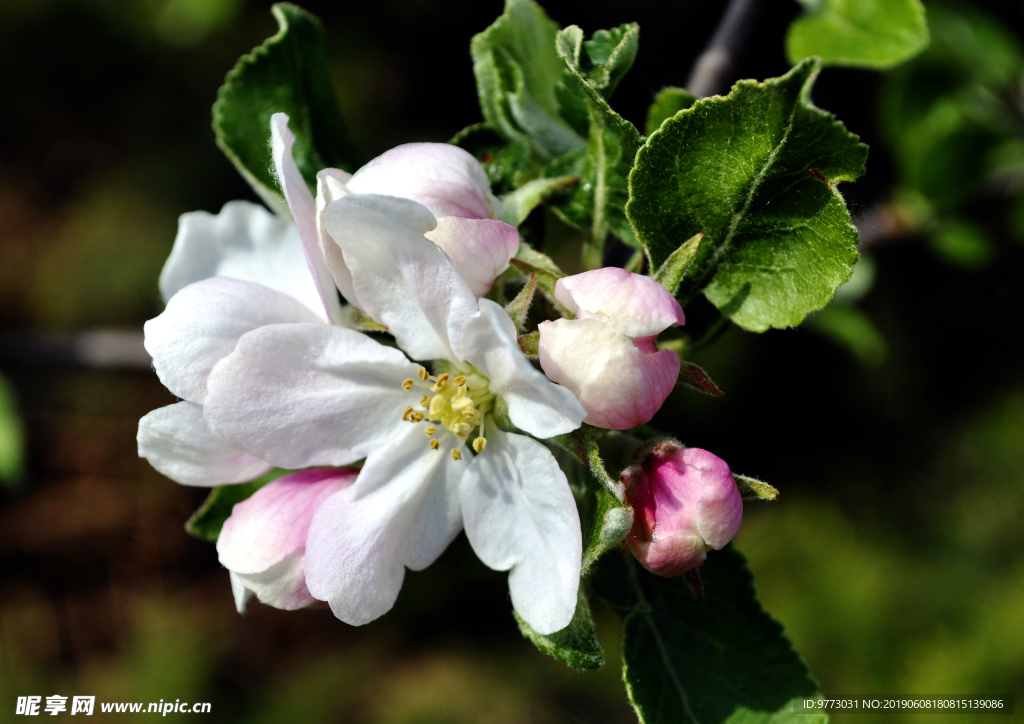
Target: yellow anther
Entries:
(480, 444)
(430, 431)
(459, 381)
(407, 413)
(434, 444)
(407, 385)
(422, 372)
(417, 417)
(461, 429)
(469, 413)
(442, 382)
(425, 402)
(456, 455)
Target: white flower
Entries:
(267, 383)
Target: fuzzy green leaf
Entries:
(597, 205)
(755, 171)
(754, 489)
(667, 103)
(286, 74)
(877, 34)
(576, 644)
(207, 521)
(695, 378)
(518, 74)
(516, 206)
(721, 659)
(671, 273)
(519, 308)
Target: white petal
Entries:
(281, 586)
(634, 304)
(618, 385)
(479, 248)
(303, 395)
(535, 404)
(520, 515)
(176, 441)
(244, 241)
(330, 185)
(402, 512)
(444, 178)
(402, 280)
(202, 324)
(303, 208)
(240, 593)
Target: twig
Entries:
(710, 73)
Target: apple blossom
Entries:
(685, 503)
(607, 355)
(280, 389)
(263, 542)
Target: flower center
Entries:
(458, 404)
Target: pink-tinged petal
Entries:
(402, 512)
(263, 542)
(304, 395)
(635, 305)
(244, 241)
(202, 323)
(303, 208)
(176, 441)
(685, 503)
(535, 404)
(520, 515)
(479, 248)
(618, 385)
(402, 280)
(444, 178)
(330, 185)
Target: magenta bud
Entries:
(685, 502)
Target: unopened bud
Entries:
(685, 503)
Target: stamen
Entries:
(459, 381)
(456, 455)
(407, 413)
(434, 444)
(425, 402)
(422, 372)
(417, 417)
(430, 431)
(442, 382)
(480, 444)
(407, 385)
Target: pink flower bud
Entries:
(263, 543)
(685, 502)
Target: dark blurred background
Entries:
(894, 556)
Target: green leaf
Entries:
(530, 344)
(528, 261)
(519, 308)
(756, 172)
(667, 103)
(207, 521)
(517, 74)
(754, 489)
(670, 274)
(288, 73)
(516, 206)
(877, 34)
(598, 204)
(12, 439)
(576, 644)
(720, 659)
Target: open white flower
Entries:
(268, 383)
(304, 395)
